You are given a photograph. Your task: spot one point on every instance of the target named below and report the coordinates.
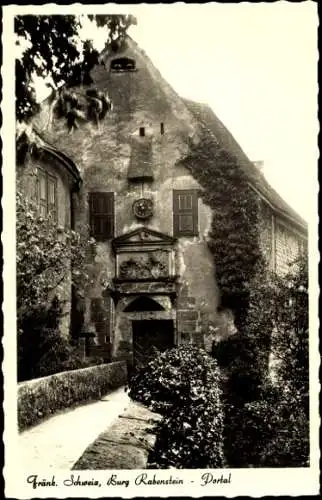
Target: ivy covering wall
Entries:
(234, 239)
(266, 421)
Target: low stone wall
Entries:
(124, 445)
(40, 398)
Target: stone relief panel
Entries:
(144, 265)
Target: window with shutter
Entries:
(101, 207)
(46, 193)
(185, 212)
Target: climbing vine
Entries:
(234, 238)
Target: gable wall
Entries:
(103, 155)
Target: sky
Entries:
(256, 66)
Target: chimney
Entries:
(259, 164)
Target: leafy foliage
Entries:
(290, 444)
(49, 258)
(271, 422)
(261, 304)
(234, 235)
(47, 255)
(42, 350)
(183, 384)
(292, 330)
(53, 49)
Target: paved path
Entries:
(58, 442)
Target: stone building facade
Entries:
(153, 274)
(50, 181)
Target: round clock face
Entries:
(143, 208)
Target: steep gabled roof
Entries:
(204, 114)
(65, 160)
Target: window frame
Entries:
(192, 211)
(49, 209)
(124, 68)
(104, 216)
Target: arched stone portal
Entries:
(142, 303)
(145, 289)
(143, 323)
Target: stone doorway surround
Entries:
(145, 274)
(122, 342)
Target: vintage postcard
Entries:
(160, 250)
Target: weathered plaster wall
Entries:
(143, 99)
(102, 154)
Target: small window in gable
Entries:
(122, 64)
(101, 209)
(185, 212)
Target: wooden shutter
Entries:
(185, 212)
(102, 215)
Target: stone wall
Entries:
(288, 245)
(267, 234)
(281, 241)
(40, 398)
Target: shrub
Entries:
(42, 350)
(271, 432)
(43, 397)
(183, 384)
(270, 424)
(292, 331)
(48, 258)
(289, 443)
(248, 428)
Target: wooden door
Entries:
(149, 335)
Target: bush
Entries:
(43, 397)
(270, 424)
(42, 350)
(289, 443)
(271, 432)
(248, 428)
(183, 384)
(49, 258)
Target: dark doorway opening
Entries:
(149, 336)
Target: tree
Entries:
(52, 48)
